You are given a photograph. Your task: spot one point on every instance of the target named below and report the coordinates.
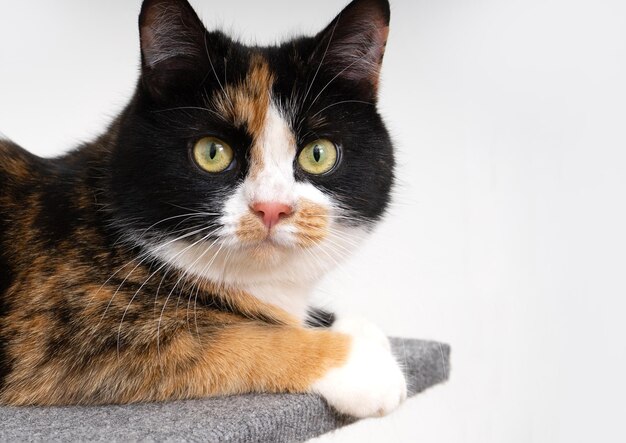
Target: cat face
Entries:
(252, 164)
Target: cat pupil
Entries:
(317, 153)
(213, 151)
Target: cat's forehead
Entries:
(245, 102)
(251, 104)
(250, 75)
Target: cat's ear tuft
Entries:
(353, 45)
(169, 29)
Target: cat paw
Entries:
(370, 383)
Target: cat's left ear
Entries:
(173, 42)
(353, 45)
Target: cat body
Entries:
(174, 257)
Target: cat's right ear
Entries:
(173, 43)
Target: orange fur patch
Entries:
(311, 219)
(251, 229)
(247, 104)
(277, 359)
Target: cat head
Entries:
(250, 164)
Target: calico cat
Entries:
(174, 256)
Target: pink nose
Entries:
(271, 213)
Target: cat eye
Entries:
(319, 157)
(213, 155)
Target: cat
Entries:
(174, 256)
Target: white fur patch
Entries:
(370, 383)
(275, 181)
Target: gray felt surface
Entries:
(246, 418)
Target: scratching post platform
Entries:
(241, 419)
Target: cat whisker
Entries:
(327, 243)
(146, 256)
(330, 39)
(190, 108)
(177, 283)
(208, 55)
(329, 83)
(133, 245)
(343, 239)
(137, 292)
(225, 70)
(193, 211)
(341, 103)
(331, 216)
(313, 256)
(348, 243)
(354, 236)
(186, 216)
(203, 272)
(169, 268)
(341, 250)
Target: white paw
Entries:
(370, 383)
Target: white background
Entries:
(507, 236)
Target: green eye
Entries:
(213, 155)
(318, 157)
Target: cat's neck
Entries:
(291, 297)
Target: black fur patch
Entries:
(320, 318)
(58, 217)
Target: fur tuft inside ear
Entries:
(170, 30)
(353, 45)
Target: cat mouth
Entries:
(268, 240)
